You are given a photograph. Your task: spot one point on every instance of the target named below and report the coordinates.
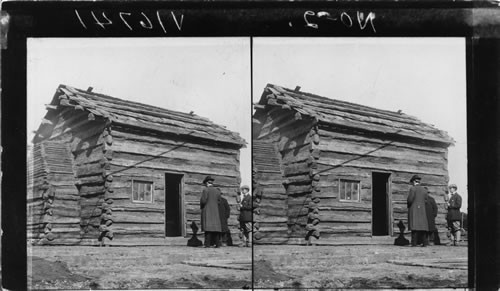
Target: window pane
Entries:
(142, 191)
(342, 190)
(135, 191)
(355, 191)
(349, 190)
(147, 193)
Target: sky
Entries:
(210, 76)
(423, 77)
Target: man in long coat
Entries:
(417, 217)
(210, 218)
(454, 216)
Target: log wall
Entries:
(284, 160)
(53, 200)
(148, 157)
(355, 157)
(271, 215)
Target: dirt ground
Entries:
(76, 267)
(344, 266)
(359, 266)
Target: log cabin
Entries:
(106, 170)
(339, 171)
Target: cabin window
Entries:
(349, 190)
(142, 191)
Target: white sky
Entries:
(424, 77)
(210, 76)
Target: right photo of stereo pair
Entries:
(359, 153)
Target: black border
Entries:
(478, 22)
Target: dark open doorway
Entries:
(173, 205)
(381, 204)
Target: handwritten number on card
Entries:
(179, 25)
(369, 18)
(80, 19)
(310, 17)
(346, 19)
(123, 19)
(101, 24)
(309, 24)
(127, 20)
(161, 22)
(149, 26)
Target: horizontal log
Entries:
(296, 169)
(299, 179)
(338, 205)
(270, 220)
(346, 216)
(149, 126)
(165, 122)
(272, 195)
(133, 167)
(133, 228)
(427, 178)
(92, 190)
(396, 131)
(172, 152)
(405, 155)
(333, 160)
(335, 134)
(273, 211)
(127, 134)
(137, 217)
(298, 189)
(89, 170)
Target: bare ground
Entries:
(359, 266)
(147, 267)
(343, 266)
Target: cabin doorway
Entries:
(174, 206)
(381, 204)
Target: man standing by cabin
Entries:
(210, 218)
(246, 216)
(454, 216)
(417, 217)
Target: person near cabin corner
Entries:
(417, 217)
(454, 216)
(210, 218)
(431, 210)
(245, 217)
(224, 213)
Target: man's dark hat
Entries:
(208, 178)
(415, 177)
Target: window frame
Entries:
(351, 183)
(143, 182)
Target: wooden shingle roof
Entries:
(143, 116)
(350, 115)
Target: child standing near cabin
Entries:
(245, 217)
